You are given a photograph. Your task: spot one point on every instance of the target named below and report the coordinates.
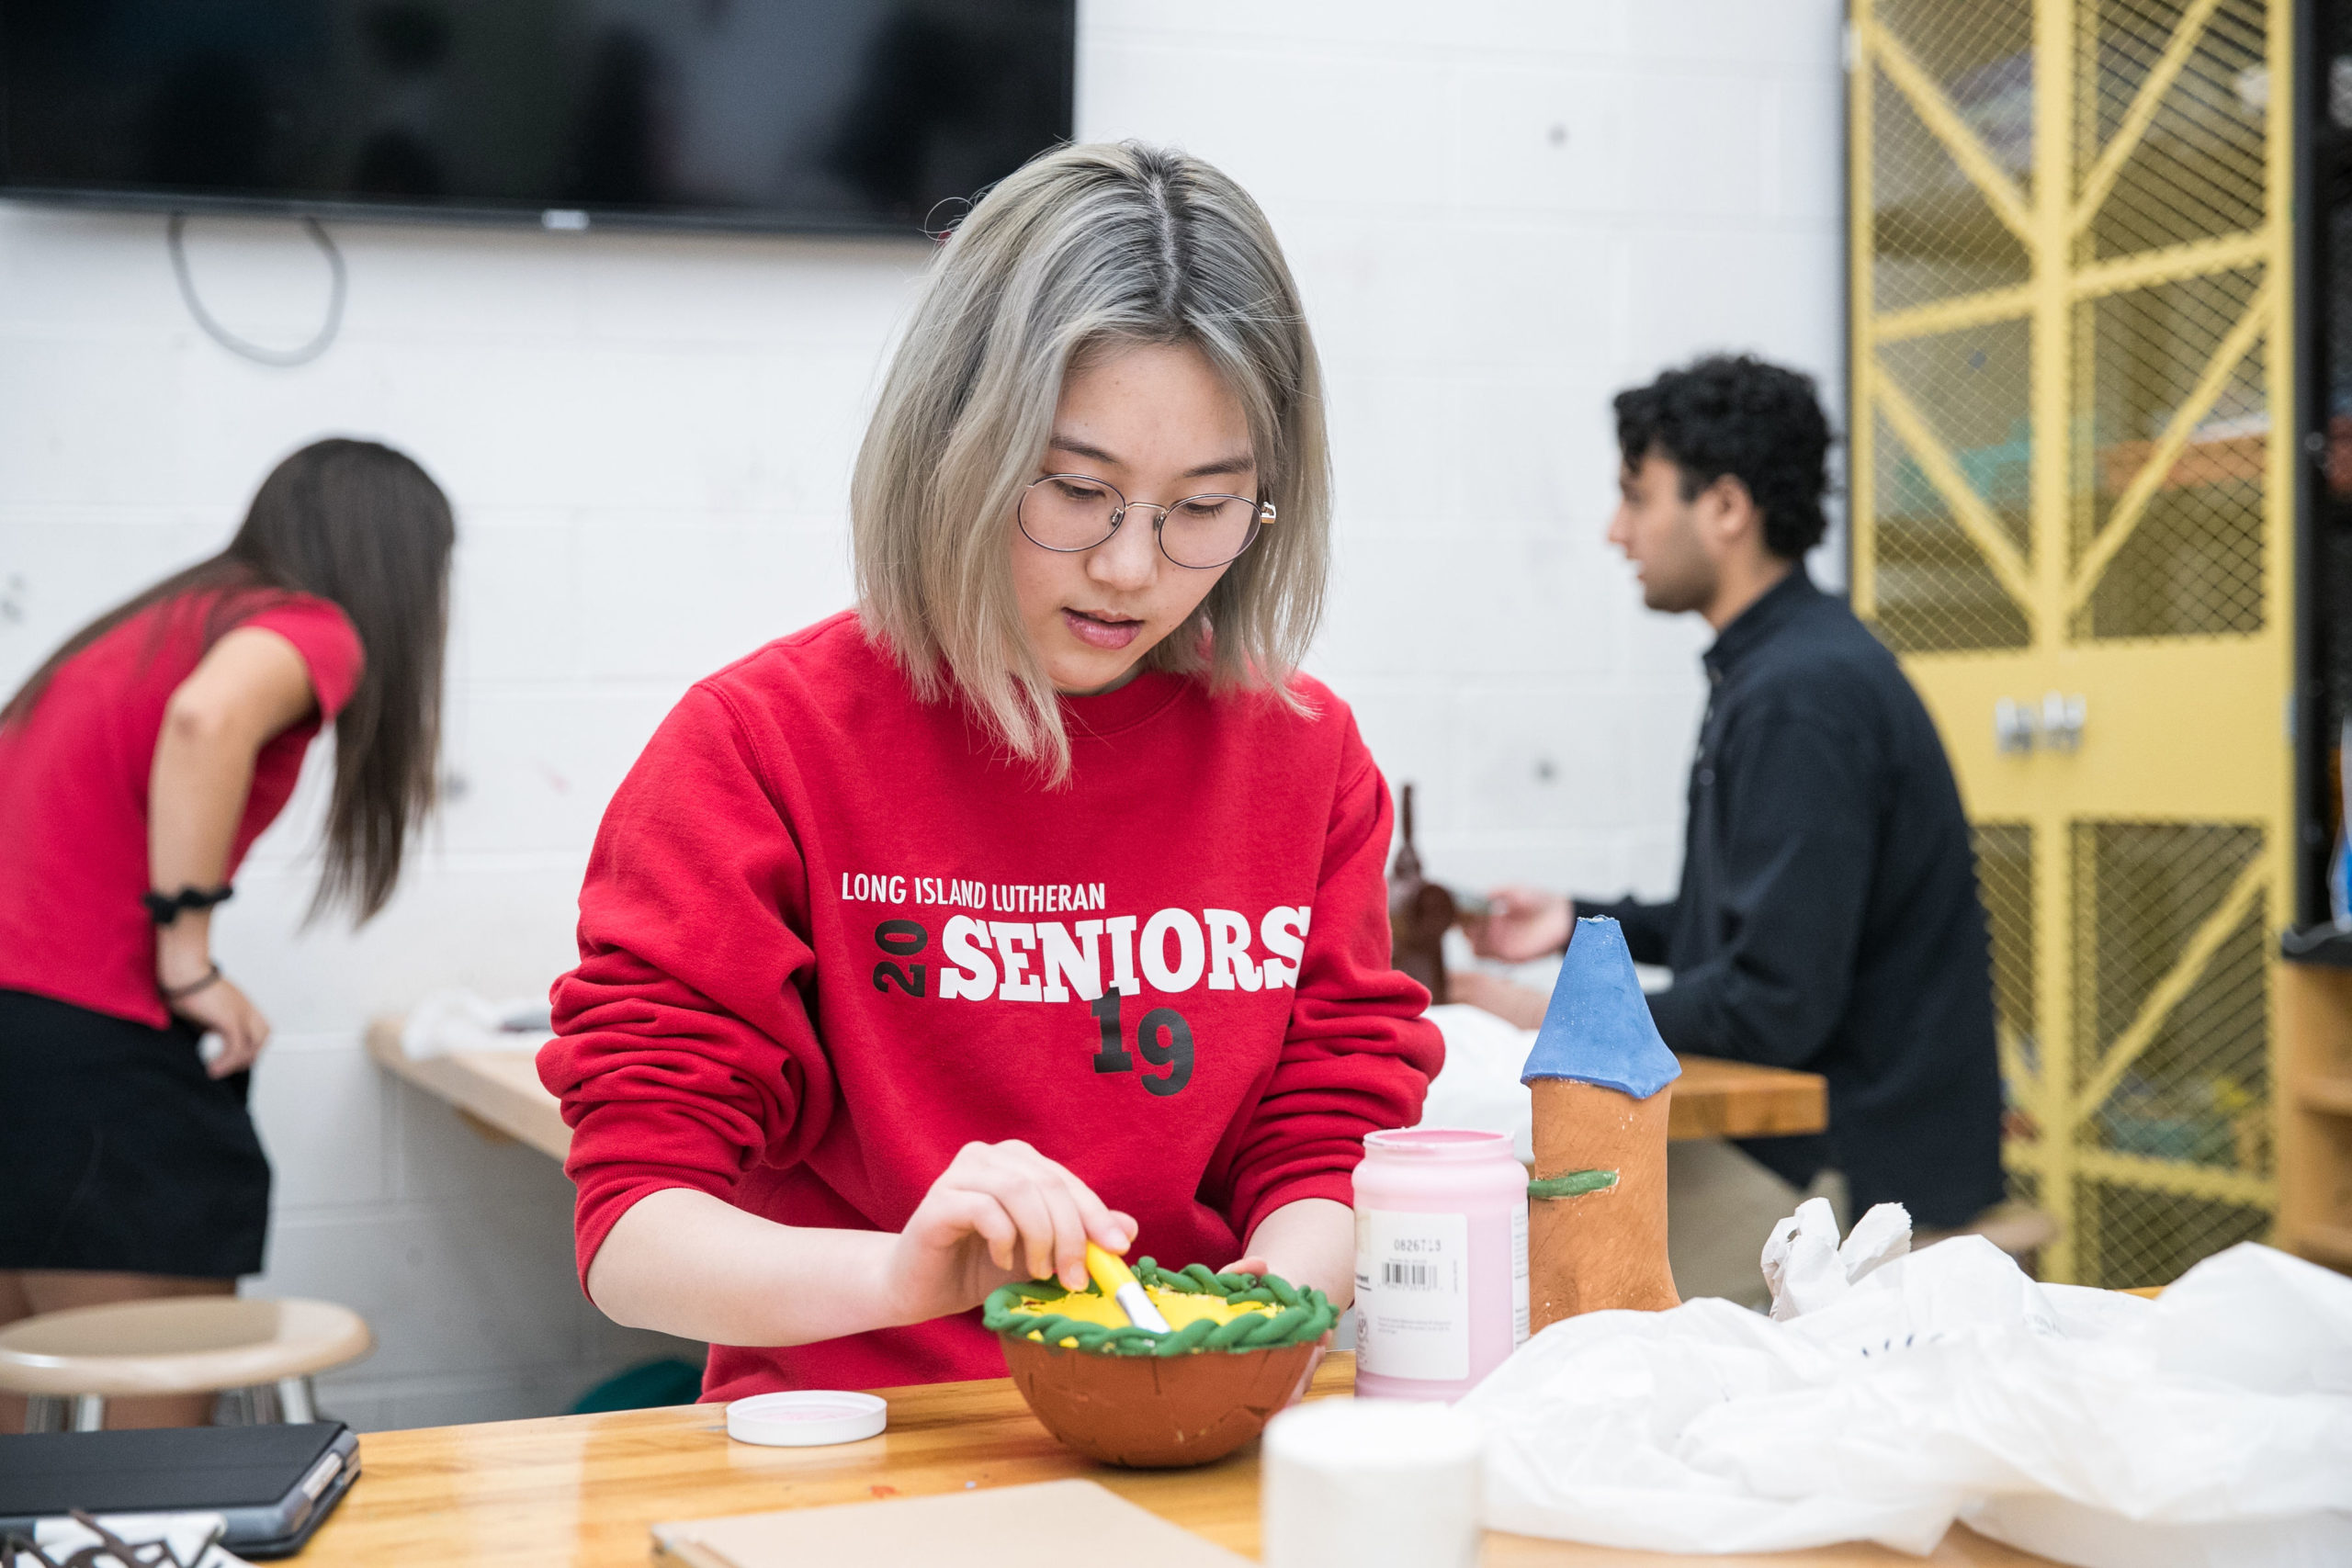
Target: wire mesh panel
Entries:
(2004, 876)
(1972, 390)
(2127, 1232)
(1937, 233)
(2198, 167)
(1935, 593)
(2176, 457)
(2070, 297)
(2171, 994)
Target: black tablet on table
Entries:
(273, 1483)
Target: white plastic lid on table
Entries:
(805, 1419)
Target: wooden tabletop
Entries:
(586, 1490)
(1715, 1099)
(500, 1092)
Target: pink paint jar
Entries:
(1441, 1261)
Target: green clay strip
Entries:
(1282, 1325)
(1185, 1340)
(1306, 1315)
(1225, 1335)
(1574, 1184)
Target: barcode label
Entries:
(1412, 1295)
(1410, 1276)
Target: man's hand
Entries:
(1521, 923)
(1522, 1007)
(999, 1213)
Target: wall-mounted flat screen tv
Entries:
(770, 114)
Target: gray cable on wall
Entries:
(173, 234)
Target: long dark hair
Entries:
(365, 527)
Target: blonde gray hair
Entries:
(1084, 248)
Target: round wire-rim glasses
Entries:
(1039, 527)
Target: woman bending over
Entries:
(137, 766)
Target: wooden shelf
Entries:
(2331, 1245)
(2315, 1111)
(2215, 460)
(499, 1091)
(2331, 1093)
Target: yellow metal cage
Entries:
(2072, 519)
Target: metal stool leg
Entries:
(90, 1413)
(44, 1414)
(294, 1402)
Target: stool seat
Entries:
(178, 1345)
(2018, 1229)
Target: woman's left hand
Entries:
(1256, 1265)
(221, 1009)
(1309, 1242)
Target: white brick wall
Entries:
(1500, 213)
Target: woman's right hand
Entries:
(221, 1009)
(999, 1213)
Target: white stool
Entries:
(2018, 1229)
(177, 1345)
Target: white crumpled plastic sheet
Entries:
(2211, 1427)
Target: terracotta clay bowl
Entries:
(1148, 1402)
(1158, 1412)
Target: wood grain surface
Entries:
(501, 1092)
(586, 1490)
(2315, 1112)
(1715, 1099)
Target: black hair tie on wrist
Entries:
(181, 993)
(166, 907)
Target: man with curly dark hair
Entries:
(1828, 917)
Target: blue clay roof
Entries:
(1598, 1029)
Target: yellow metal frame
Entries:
(2179, 729)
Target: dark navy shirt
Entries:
(1829, 917)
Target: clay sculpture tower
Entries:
(1601, 1075)
(1419, 912)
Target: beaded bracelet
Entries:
(181, 993)
(166, 907)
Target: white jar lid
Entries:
(805, 1419)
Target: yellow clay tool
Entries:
(1119, 1281)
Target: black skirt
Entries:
(116, 1152)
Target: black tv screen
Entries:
(777, 113)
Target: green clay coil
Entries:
(1306, 1315)
(1574, 1184)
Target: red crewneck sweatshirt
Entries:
(830, 934)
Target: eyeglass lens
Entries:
(1069, 512)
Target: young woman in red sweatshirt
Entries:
(1038, 899)
(138, 764)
